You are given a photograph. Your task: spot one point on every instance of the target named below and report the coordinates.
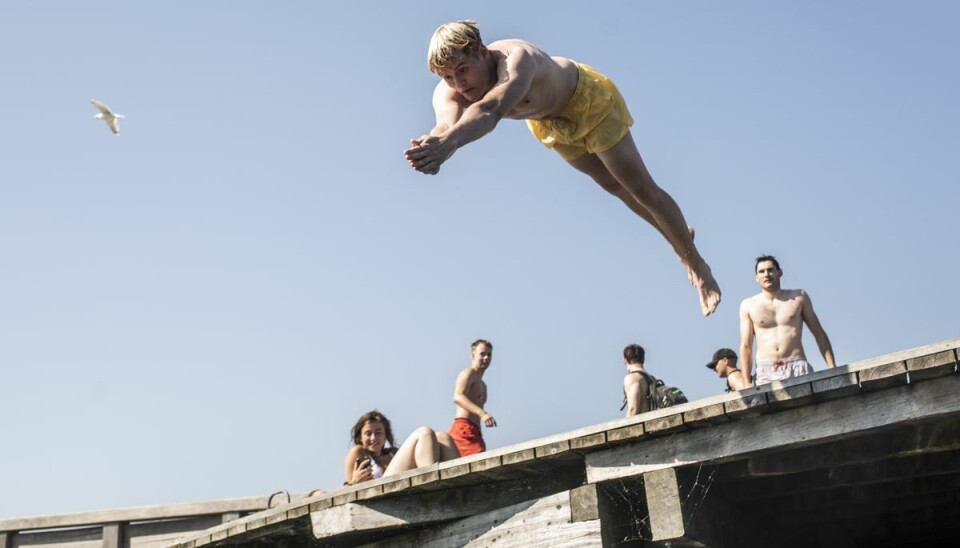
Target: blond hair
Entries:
(450, 41)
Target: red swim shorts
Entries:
(466, 434)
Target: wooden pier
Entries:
(867, 454)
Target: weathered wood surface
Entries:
(545, 523)
(436, 506)
(801, 425)
(73, 538)
(663, 504)
(152, 534)
(628, 447)
(142, 513)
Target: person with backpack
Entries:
(636, 383)
(642, 391)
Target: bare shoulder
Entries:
(513, 45)
(791, 294)
(748, 303)
(467, 374)
(515, 48)
(631, 379)
(355, 451)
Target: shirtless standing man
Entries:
(570, 107)
(470, 395)
(775, 317)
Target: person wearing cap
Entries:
(724, 362)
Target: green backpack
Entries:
(660, 395)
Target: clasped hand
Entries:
(427, 153)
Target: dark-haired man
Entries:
(724, 363)
(636, 383)
(775, 318)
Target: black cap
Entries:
(721, 354)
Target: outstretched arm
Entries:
(477, 119)
(813, 324)
(746, 343)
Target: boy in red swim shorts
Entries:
(470, 395)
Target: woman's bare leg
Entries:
(419, 449)
(448, 447)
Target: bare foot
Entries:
(707, 288)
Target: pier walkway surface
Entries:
(867, 454)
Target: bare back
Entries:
(551, 86)
(777, 324)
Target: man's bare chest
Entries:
(768, 315)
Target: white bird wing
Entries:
(101, 107)
(114, 126)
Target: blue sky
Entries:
(202, 307)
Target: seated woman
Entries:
(371, 458)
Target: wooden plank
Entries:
(6, 539)
(584, 503)
(883, 376)
(486, 464)
(237, 530)
(229, 516)
(344, 498)
(451, 472)
(88, 537)
(751, 402)
(582, 443)
(705, 415)
(432, 476)
(663, 425)
(321, 504)
(790, 396)
(369, 492)
(142, 513)
(836, 386)
(551, 449)
(275, 517)
(257, 523)
(112, 535)
(543, 523)
(904, 355)
(663, 504)
(299, 511)
(627, 433)
(395, 486)
(801, 425)
(517, 457)
(932, 365)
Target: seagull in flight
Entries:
(107, 116)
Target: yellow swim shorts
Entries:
(594, 120)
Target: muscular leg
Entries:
(419, 449)
(625, 167)
(591, 165)
(448, 447)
